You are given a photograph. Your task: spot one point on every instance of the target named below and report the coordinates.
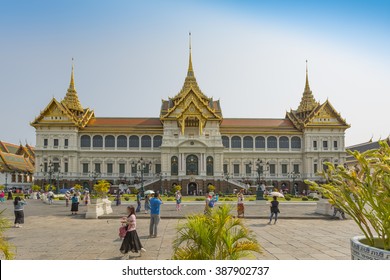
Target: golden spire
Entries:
(308, 103)
(71, 100)
(71, 84)
(190, 71)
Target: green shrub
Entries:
(288, 198)
(316, 199)
(127, 198)
(266, 198)
(251, 199)
(199, 199)
(170, 199)
(82, 197)
(228, 199)
(61, 198)
(305, 198)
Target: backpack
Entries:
(211, 203)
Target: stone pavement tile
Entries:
(274, 250)
(333, 253)
(284, 257)
(320, 256)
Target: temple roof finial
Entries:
(71, 84)
(71, 100)
(307, 86)
(190, 71)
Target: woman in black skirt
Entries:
(75, 204)
(131, 242)
(19, 211)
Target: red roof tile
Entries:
(281, 123)
(124, 122)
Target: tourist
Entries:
(155, 204)
(86, 198)
(274, 210)
(118, 198)
(67, 198)
(336, 210)
(9, 195)
(75, 204)
(138, 203)
(50, 196)
(178, 200)
(131, 242)
(147, 204)
(240, 204)
(38, 195)
(210, 202)
(2, 196)
(19, 211)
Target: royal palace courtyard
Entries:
(50, 232)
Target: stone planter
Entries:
(98, 207)
(107, 206)
(324, 207)
(361, 251)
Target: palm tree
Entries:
(5, 247)
(214, 236)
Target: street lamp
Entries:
(51, 169)
(227, 177)
(93, 175)
(260, 168)
(141, 165)
(293, 175)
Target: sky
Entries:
(251, 55)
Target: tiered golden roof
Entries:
(14, 158)
(308, 103)
(71, 100)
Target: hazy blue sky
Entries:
(250, 54)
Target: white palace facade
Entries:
(190, 143)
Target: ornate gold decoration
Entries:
(308, 103)
(71, 100)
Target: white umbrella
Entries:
(149, 192)
(277, 194)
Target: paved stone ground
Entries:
(50, 232)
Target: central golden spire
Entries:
(71, 100)
(308, 103)
(190, 71)
(307, 87)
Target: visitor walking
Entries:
(19, 211)
(210, 202)
(75, 204)
(118, 198)
(178, 200)
(155, 204)
(9, 197)
(131, 242)
(86, 198)
(138, 203)
(274, 210)
(50, 196)
(67, 198)
(240, 204)
(147, 204)
(2, 196)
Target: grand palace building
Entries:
(190, 143)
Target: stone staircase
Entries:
(237, 183)
(146, 183)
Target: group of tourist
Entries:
(128, 230)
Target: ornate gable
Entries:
(54, 113)
(325, 115)
(190, 107)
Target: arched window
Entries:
(134, 141)
(209, 166)
(121, 141)
(284, 143)
(295, 142)
(272, 142)
(85, 141)
(225, 142)
(146, 141)
(174, 166)
(260, 142)
(248, 142)
(97, 141)
(157, 141)
(109, 141)
(236, 142)
(192, 165)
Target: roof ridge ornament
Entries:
(190, 72)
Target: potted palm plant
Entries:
(100, 204)
(363, 192)
(215, 236)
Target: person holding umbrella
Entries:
(274, 209)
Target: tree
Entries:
(102, 188)
(5, 247)
(211, 188)
(49, 188)
(215, 236)
(78, 187)
(35, 188)
(176, 188)
(2, 187)
(363, 192)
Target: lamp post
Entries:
(227, 177)
(50, 171)
(294, 175)
(93, 175)
(260, 168)
(141, 165)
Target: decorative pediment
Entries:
(54, 112)
(325, 115)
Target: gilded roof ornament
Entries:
(71, 100)
(308, 103)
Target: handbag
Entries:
(122, 231)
